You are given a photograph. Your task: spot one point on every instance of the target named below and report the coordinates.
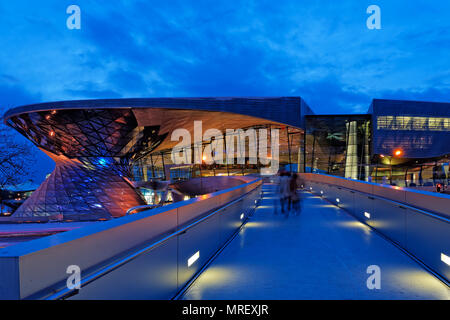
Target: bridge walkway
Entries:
(323, 253)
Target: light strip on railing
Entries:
(194, 258)
(445, 259)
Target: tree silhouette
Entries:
(16, 161)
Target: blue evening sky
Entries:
(319, 50)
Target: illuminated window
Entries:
(413, 123)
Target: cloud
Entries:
(89, 93)
(430, 95)
(13, 94)
(330, 96)
(249, 48)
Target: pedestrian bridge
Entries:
(323, 253)
(236, 244)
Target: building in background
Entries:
(403, 143)
(109, 153)
(12, 197)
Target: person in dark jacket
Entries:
(283, 190)
(294, 196)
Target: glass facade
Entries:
(160, 165)
(420, 129)
(338, 145)
(92, 149)
(110, 153)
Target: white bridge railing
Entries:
(148, 255)
(416, 221)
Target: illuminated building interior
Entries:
(108, 152)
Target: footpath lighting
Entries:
(242, 216)
(321, 192)
(367, 214)
(445, 258)
(194, 258)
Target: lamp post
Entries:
(397, 153)
(390, 167)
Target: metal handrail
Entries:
(66, 292)
(144, 206)
(150, 206)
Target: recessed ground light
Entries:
(242, 216)
(367, 214)
(321, 191)
(194, 258)
(337, 200)
(445, 258)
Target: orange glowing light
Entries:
(204, 158)
(398, 152)
(52, 133)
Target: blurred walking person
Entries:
(277, 197)
(284, 190)
(294, 196)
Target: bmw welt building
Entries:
(111, 154)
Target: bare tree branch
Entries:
(16, 159)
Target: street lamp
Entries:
(398, 152)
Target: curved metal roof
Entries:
(293, 108)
